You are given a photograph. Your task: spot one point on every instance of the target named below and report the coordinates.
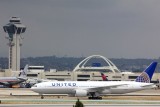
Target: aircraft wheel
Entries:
(100, 98)
(42, 97)
(94, 98)
(89, 97)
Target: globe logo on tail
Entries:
(143, 78)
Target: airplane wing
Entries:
(150, 85)
(103, 87)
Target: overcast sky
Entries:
(112, 28)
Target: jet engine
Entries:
(106, 91)
(80, 93)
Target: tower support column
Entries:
(14, 29)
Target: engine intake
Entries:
(81, 93)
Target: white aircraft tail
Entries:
(23, 73)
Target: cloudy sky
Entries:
(112, 28)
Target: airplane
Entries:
(104, 77)
(11, 82)
(95, 89)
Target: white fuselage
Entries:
(11, 80)
(102, 87)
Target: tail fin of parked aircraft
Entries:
(23, 73)
(147, 74)
(104, 78)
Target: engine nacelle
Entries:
(80, 93)
(106, 92)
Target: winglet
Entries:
(147, 74)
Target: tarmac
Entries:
(86, 105)
(26, 96)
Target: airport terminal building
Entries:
(89, 69)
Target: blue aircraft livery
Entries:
(147, 74)
(143, 78)
(64, 84)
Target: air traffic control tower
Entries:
(14, 29)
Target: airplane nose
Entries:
(33, 89)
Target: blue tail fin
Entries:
(147, 74)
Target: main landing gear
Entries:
(97, 98)
(94, 95)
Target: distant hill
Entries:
(68, 63)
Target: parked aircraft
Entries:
(11, 82)
(94, 89)
(104, 77)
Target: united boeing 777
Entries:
(94, 89)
